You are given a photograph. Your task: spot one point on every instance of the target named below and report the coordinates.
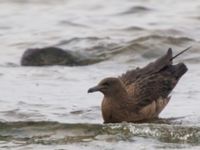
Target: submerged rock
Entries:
(54, 56)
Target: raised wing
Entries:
(157, 85)
(154, 81)
(131, 76)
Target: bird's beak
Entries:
(94, 89)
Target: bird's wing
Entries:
(148, 112)
(151, 88)
(131, 76)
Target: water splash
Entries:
(58, 133)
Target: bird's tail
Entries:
(179, 70)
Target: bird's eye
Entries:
(106, 84)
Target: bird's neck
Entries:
(118, 96)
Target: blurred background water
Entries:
(131, 34)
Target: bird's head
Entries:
(108, 86)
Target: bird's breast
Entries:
(112, 112)
(106, 108)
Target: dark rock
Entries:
(54, 56)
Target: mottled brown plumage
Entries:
(141, 94)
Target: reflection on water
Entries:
(125, 34)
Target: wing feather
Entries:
(132, 75)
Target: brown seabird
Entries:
(140, 95)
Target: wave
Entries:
(60, 133)
(90, 50)
(73, 24)
(136, 10)
(153, 46)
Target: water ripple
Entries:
(136, 10)
(58, 133)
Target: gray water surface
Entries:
(130, 34)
